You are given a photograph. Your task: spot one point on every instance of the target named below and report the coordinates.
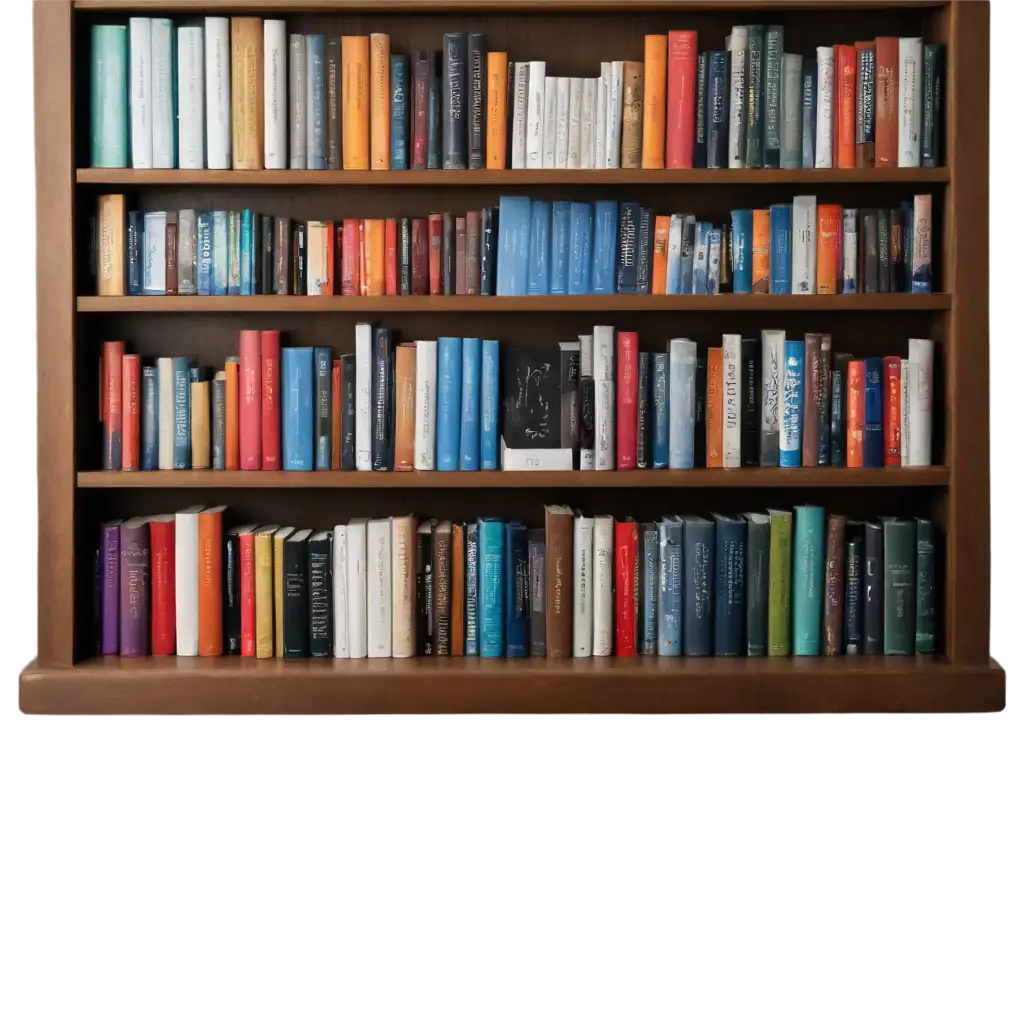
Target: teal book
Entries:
(491, 587)
(900, 543)
(108, 97)
(808, 578)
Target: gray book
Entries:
(772, 72)
(755, 96)
(538, 576)
(792, 111)
(187, 252)
(218, 427)
(758, 537)
(297, 102)
(316, 104)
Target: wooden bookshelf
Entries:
(74, 496)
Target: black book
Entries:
(853, 619)
(883, 250)
(455, 103)
(897, 240)
(531, 398)
(405, 255)
(837, 426)
(869, 252)
(725, 266)
(569, 385)
(425, 587)
(299, 259)
(509, 111)
(348, 411)
(231, 602)
(825, 401)
(644, 250)
(626, 257)
(477, 101)
(392, 406)
(323, 368)
(321, 604)
(757, 577)
(441, 576)
(587, 399)
(434, 112)
(488, 253)
(700, 420)
(907, 212)
(380, 407)
(700, 139)
(535, 541)
(644, 412)
(750, 402)
(296, 595)
(448, 268)
(873, 588)
(265, 266)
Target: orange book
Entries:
(355, 99)
(336, 414)
(714, 409)
(655, 85)
(405, 405)
(131, 402)
(457, 621)
(887, 101)
(659, 278)
(855, 414)
(211, 545)
(845, 129)
(761, 252)
(231, 413)
(247, 94)
(830, 224)
(497, 100)
(864, 147)
(374, 275)
(380, 101)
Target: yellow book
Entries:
(380, 101)
(374, 232)
(497, 99)
(247, 94)
(110, 269)
(199, 410)
(278, 576)
(264, 557)
(355, 101)
(655, 65)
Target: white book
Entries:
(339, 584)
(826, 78)
(731, 398)
(297, 101)
(186, 581)
(850, 282)
(378, 582)
(613, 138)
(919, 401)
(586, 354)
(586, 147)
(805, 245)
(911, 72)
(602, 87)
(356, 587)
(364, 371)
(904, 412)
(674, 257)
(426, 404)
(574, 158)
(773, 347)
(520, 106)
(562, 123)
(682, 401)
(550, 114)
(737, 46)
(403, 587)
(582, 593)
(604, 574)
(140, 65)
(163, 43)
(526, 459)
(275, 95)
(191, 105)
(218, 93)
(165, 412)
(535, 116)
(154, 255)
(604, 424)
(603, 353)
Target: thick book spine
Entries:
(469, 429)
(920, 391)
(626, 393)
(750, 401)
(700, 130)
(756, 575)
(449, 408)
(772, 76)
(669, 631)
(298, 385)
(275, 95)
(810, 432)
(719, 114)
(872, 588)
(730, 601)
(140, 57)
(491, 588)
(379, 625)
(321, 613)
(660, 395)
(731, 401)
(517, 591)
(925, 617)
(792, 111)
(865, 126)
(825, 107)
(911, 59)
(933, 113)
(108, 101)
(772, 376)
(835, 585)
(380, 101)
(791, 415)
(738, 87)
(475, 99)
(381, 400)
(135, 588)
(900, 602)
(698, 586)
(853, 619)
(399, 113)
(426, 405)
(824, 410)
(808, 579)
(754, 131)
(455, 102)
(498, 101)
(780, 564)
(473, 589)
(297, 114)
(873, 444)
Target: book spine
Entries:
(921, 266)
(853, 632)
(108, 95)
(750, 401)
(603, 584)
(448, 415)
(756, 576)
(297, 114)
(379, 625)
(469, 430)
(824, 118)
(520, 114)
(426, 404)
(731, 401)
(613, 140)
(810, 439)
(601, 90)
(356, 103)
(855, 413)
(588, 124)
(738, 96)
(434, 112)
(660, 378)
(808, 579)
(135, 588)
(682, 131)
(755, 126)
(348, 412)
(887, 107)
(772, 73)
(772, 377)
(900, 601)
(140, 56)
(627, 395)
(573, 157)
(110, 587)
(845, 107)
(719, 110)
(933, 104)
(643, 411)
(421, 63)
(872, 588)
(865, 131)
(381, 422)
(456, 102)
(910, 101)
(701, 119)
(491, 588)
(399, 113)
(299, 388)
(363, 377)
(549, 126)
(792, 111)
(919, 398)
(730, 593)
(925, 616)
(182, 418)
(322, 368)
(380, 101)
(873, 442)
(699, 586)
(790, 427)
(150, 418)
(835, 585)
(489, 404)
(582, 588)
(498, 100)
(473, 589)
(805, 245)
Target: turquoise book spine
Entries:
(808, 578)
(108, 97)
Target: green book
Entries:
(808, 578)
(924, 629)
(900, 546)
(780, 562)
(108, 97)
(755, 96)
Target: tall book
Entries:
(247, 94)
(380, 101)
(655, 99)
(355, 92)
(808, 578)
(108, 93)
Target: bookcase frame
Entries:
(962, 678)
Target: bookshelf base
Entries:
(474, 686)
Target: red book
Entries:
(436, 230)
(626, 540)
(131, 402)
(845, 128)
(350, 263)
(682, 90)
(420, 261)
(626, 394)
(113, 382)
(336, 414)
(270, 343)
(250, 404)
(855, 414)
(391, 256)
(161, 584)
(891, 413)
(887, 93)
(247, 578)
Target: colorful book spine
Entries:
(449, 403)
(808, 579)
(469, 431)
(491, 600)
(791, 420)
(298, 387)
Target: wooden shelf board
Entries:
(518, 178)
(824, 476)
(476, 685)
(370, 306)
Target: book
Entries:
(517, 591)
(448, 405)
(855, 413)
(378, 589)
(864, 140)
(780, 258)
(108, 121)
(810, 420)
(473, 590)
(731, 401)
(534, 123)
(791, 113)
(602, 581)
(835, 586)
(887, 101)
(792, 406)
(808, 578)
(900, 581)
(582, 587)
(497, 110)
(772, 379)
(921, 264)
(363, 377)
(134, 597)
(627, 398)
(920, 390)
(730, 594)
(756, 581)
(297, 385)
(669, 629)
(538, 579)
(469, 429)
(491, 587)
(355, 92)
(909, 93)
(805, 245)
(247, 94)
(399, 114)
(772, 76)
(297, 112)
(873, 443)
(738, 87)
(655, 99)
(295, 604)
(845, 110)
(697, 561)
(853, 628)
(933, 104)
(356, 586)
(925, 615)
(825, 111)
(455, 102)
(754, 75)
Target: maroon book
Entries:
(473, 252)
(460, 255)
(436, 228)
(835, 584)
(420, 95)
(420, 257)
(134, 588)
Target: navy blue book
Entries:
(455, 102)
(469, 431)
(399, 113)
(297, 412)
(538, 277)
(780, 258)
(626, 258)
(491, 587)
(434, 113)
(581, 221)
(514, 245)
(517, 591)
(660, 409)
(559, 261)
(605, 247)
(133, 251)
(730, 585)
(381, 399)
(644, 412)
(742, 251)
(698, 588)
(150, 419)
(716, 117)
(700, 132)
(644, 250)
(449, 403)
(873, 444)
(323, 360)
(649, 589)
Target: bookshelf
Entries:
(74, 496)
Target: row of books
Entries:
(465, 404)
(244, 93)
(762, 584)
(520, 247)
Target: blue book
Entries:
(434, 112)
(627, 250)
(134, 243)
(559, 262)
(204, 254)
(182, 413)
(742, 250)
(491, 588)
(730, 586)
(699, 593)
(514, 247)
(538, 276)
(150, 422)
(234, 252)
(873, 444)
(490, 404)
(682, 401)
(316, 104)
(670, 586)
(780, 253)
(472, 589)
(399, 113)
(649, 586)
(701, 238)
(449, 403)
(716, 118)
(221, 256)
(245, 266)
(323, 359)
(660, 384)
(714, 260)
(605, 247)
(808, 578)
(469, 430)
(674, 255)
(517, 591)
(791, 425)
(581, 219)
(297, 388)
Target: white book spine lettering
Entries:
(426, 404)
(772, 349)
(737, 47)
(275, 95)
(191, 106)
(356, 590)
(378, 581)
(339, 578)
(520, 108)
(604, 558)
(297, 102)
(140, 47)
(562, 123)
(364, 336)
(823, 136)
(910, 102)
(535, 116)
(731, 401)
(583, 599)
(920, 386)
(805, 245)
(218, 94)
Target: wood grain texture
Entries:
(506, 6)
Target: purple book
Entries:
(110, 585)
(135, 588)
